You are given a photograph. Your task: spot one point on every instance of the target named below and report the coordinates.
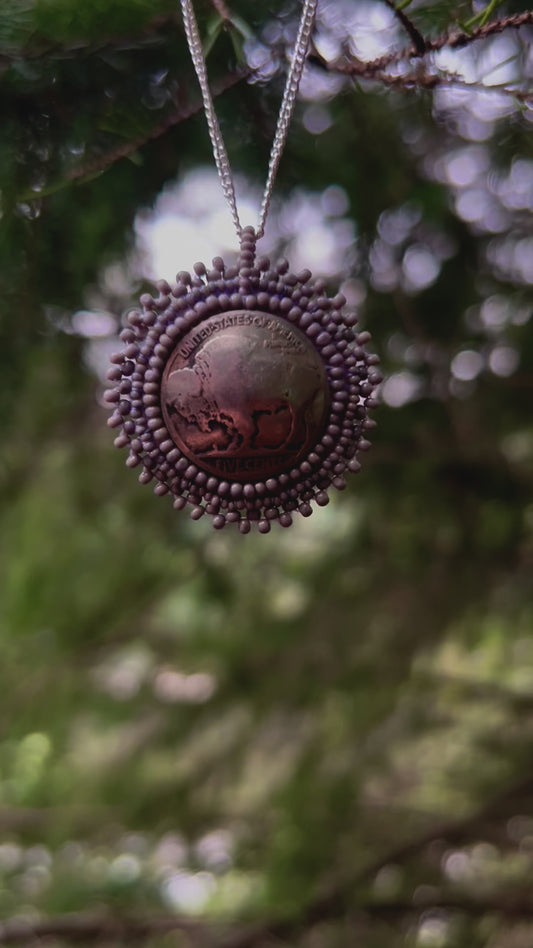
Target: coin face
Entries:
(244, 395)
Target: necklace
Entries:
(243, 391)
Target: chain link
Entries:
(285, 113)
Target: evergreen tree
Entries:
(322, 737)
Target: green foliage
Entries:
(326, 730)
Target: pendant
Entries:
(243, 391)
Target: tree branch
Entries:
(460, 39)
(419, 80)
(178, 115)
(23, 818)
(338, 903)
(418, 41)
(156, 29)
(97, 164)
(222, 10)
(374, 69)
(512, 905)
(499, 808)
(424, 80)
(85, 928)
(455, 40)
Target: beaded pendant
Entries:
(243, 391)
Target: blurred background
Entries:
(322, 737)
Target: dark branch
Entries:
(85, 929)
(500, 808)
(407, 82)
(454, 40)
(339, 904)
(23, 818)
(518, 905)
(460, 39)
(158, 28)
(155, 30)
(222, 10)
(97, 164)
(375, 69)
(418, 41)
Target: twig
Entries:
(417, 39)
(455, 830)
(374, 69)
(430, 81)
(174, 118)
(460, 39)
(454, 40)
(352, 67)
(97, 165)
(156, 29)
(222, 10)
(419, 80)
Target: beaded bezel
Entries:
(253, 285)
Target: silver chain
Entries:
(285, 113)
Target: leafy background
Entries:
(323, 737)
